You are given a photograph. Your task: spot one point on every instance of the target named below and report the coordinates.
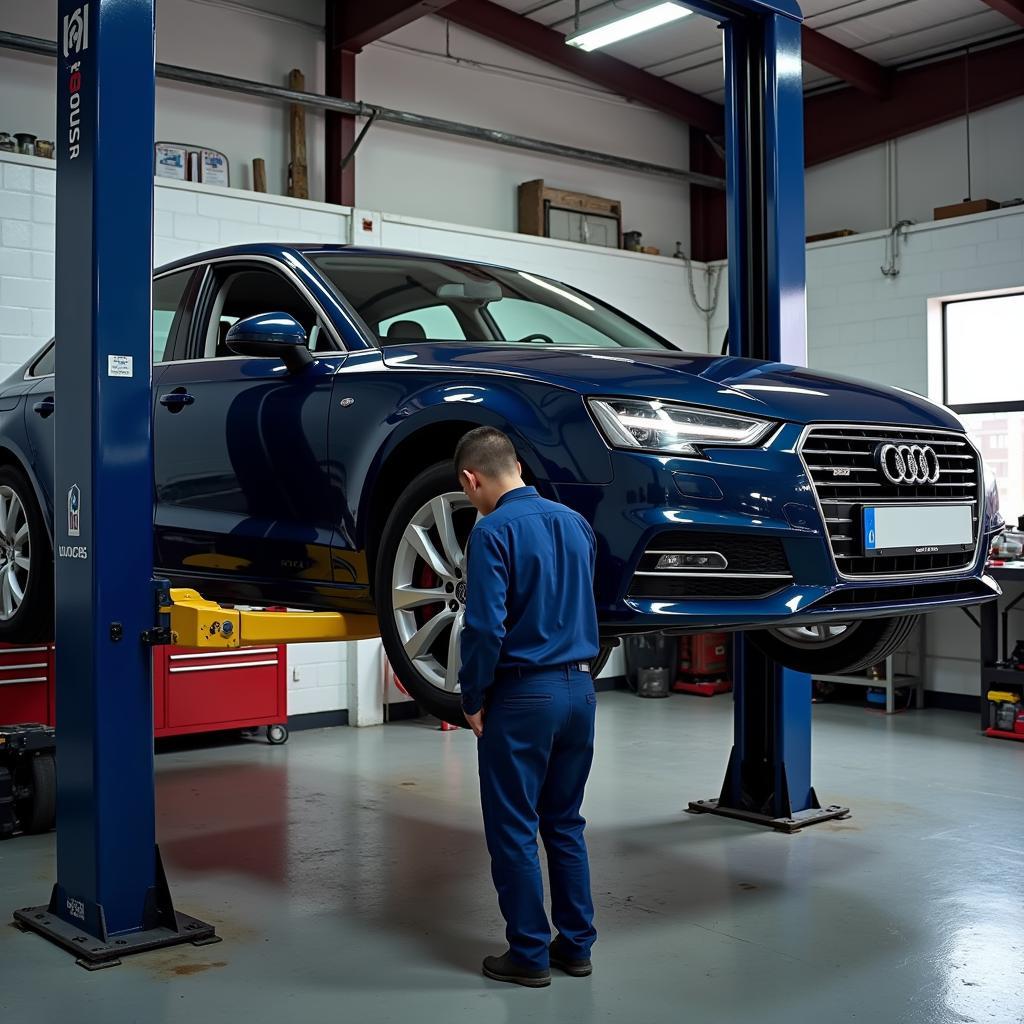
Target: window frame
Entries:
(214, 272)
(971, 407)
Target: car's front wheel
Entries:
(836, 648)
(420, 589)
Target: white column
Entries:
(366, 682)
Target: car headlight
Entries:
(672, 427)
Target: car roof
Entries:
(281, 249)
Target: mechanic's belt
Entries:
(522, 671)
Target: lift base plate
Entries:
(93, 955)
(797, 821)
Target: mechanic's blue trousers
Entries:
(535, 755)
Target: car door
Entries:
(173, 296)
(243, 497)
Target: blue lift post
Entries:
(111, 897)
(768, 780)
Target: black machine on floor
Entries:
(28, 779)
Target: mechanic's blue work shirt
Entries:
(530, 591)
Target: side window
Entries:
(432, 323)
(246, 293)
(167, 295)
(44, 364)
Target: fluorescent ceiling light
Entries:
(631, 25)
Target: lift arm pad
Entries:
(196, 622)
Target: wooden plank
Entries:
(298, 174)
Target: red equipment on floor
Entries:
(193, 691)
(703, 664)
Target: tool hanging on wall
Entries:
(298, 181)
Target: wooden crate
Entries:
(964, 209)
(533, 195)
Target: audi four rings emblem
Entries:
(908, 463)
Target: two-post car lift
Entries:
(111, 897)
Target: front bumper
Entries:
(758, 493)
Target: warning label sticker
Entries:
(119, 366)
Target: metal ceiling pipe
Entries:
(356, 108)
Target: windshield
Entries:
(405, 299)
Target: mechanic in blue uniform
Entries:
(529, 634)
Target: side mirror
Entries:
(271, 336)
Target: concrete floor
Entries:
(347, 874)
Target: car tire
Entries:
(42, 812)
(858, 646)
(419, 599)
(26, 563)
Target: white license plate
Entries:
(917, 529)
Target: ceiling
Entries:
(688, 52)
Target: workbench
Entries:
(995, 641)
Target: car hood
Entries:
(774, 390)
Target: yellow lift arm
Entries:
(196, 622)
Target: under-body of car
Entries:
(818, 512)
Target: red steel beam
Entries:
(357, 24)
(842, 122)
(1013, 9)
(339, 129)
(511, 29)
(860, 71)
(707, 205)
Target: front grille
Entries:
(852, 450)
(757, 567)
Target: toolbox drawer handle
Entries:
(22, 666)
(27, 679)
(217, 668)
(248, 652)
(22, 650)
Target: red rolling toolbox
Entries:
(193, 691)
(199, 691)
(26, 688)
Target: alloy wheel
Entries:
(428, 589)
(15, 553)
(816, 635)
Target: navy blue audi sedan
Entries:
(307, 401)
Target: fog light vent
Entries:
(692, 560)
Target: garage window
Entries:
(983, 339)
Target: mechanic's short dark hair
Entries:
(487, 451)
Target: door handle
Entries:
(44, 407)
(176, 400)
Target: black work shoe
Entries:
(504, 968)
(576, 968)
